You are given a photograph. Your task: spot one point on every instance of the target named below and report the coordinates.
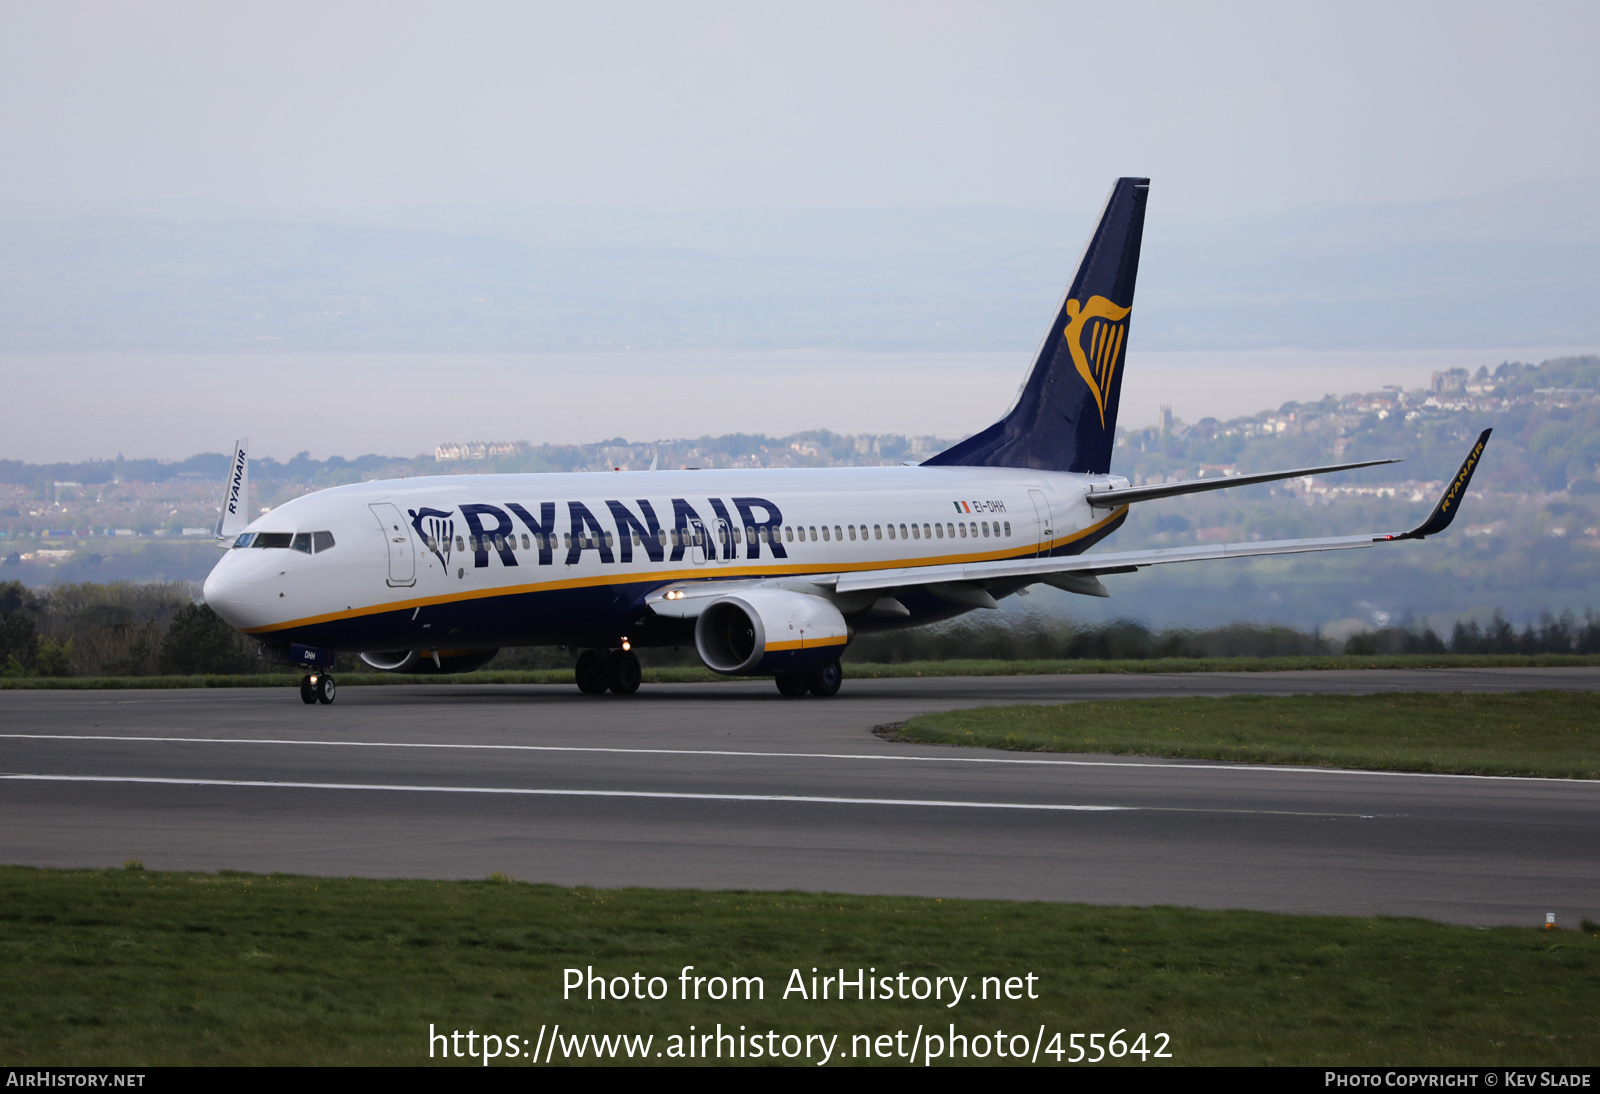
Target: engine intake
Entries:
(765, 631)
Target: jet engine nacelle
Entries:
(429, 662)
(768, 631)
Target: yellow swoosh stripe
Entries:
(807, 643)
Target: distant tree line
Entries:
(126, 629)
(118, 629)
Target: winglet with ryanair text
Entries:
(234, 515)
(1450, 501)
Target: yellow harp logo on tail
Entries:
(1106, 326)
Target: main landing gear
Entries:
(822, 683)
(317, 688)
(616, 671)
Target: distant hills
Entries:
(1527, 540)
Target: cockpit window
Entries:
(306, 542)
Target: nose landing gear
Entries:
(318, 688)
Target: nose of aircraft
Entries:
(228, 592)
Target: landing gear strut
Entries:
(317, 689)
(617, 671)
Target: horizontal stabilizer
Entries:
(1113, 497)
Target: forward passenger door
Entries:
(397, 538)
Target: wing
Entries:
(972, 577)
(968, 583)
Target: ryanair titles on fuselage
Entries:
(482, 528)
(485, 528)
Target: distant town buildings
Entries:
(477, 450)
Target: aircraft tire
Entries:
(827, 682)
(591, 672)
(793, 687)
(308, 694)
(622, 672)
(325, 689)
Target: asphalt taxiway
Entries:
(729, 785)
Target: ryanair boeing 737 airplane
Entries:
(765, 573)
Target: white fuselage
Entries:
(480, 561)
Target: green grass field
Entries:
(1546, 733)
(856, 670)
(127, 967)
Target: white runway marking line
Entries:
(1213, 765)
(543, 792)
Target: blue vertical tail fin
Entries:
(1065, 419)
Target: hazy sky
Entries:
(1232, 107)
(357, 111)
(170, 406)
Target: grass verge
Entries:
(133, 967)
(1554, 734)
(857, 670)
